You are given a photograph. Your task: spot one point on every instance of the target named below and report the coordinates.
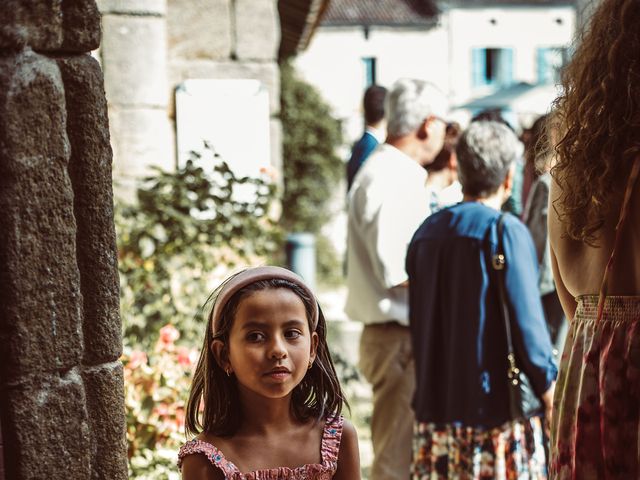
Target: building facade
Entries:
(469, 49)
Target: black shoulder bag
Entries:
(523, 401)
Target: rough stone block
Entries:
(45, 421)
(104, 388)
(141, 137)
(253, 16)
(40, 300)
(90, 172)
(199, 29)
(81, 25)
(134, 7)
(267, 72)
(36, 23)
(134, 59)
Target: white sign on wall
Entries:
(230, 115)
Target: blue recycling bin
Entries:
(301, 256)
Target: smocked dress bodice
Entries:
(330, 446)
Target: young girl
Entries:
(270, 393)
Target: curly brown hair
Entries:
(598, 116)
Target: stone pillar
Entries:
(61, 383)
(236, 39)
(134, 59)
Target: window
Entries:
(550, 61)
(492, 67)
(369, 71)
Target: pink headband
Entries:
(252, 275)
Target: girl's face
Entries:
(270, 345)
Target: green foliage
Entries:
(156, 386)
(188, 231)
(312, 169)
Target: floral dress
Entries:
(595, 432)
(514, 451)
(330, 446)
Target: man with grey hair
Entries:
(387, 202)
(456, 299)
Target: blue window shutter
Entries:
(543, 65)
(506, 67)
(478, 66)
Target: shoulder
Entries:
(348, 465)
(200, 460)
(349, 433)
(198, 467)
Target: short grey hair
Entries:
(486, 151)
(411, 101)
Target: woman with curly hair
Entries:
(594, 229)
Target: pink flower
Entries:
(136, 359)
(169, 334)
(184, 357)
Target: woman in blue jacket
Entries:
(464, 428)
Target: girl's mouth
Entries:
(278, 373)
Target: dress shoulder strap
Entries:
(331, 440)
(624, 213)
(214, 456)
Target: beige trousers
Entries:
(386, 362)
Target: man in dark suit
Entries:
(374, 133)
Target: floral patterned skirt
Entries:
(595, 432)
(514, 451)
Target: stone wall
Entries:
(227, 39)
(61, 383)
(151, 46)
(134, 60)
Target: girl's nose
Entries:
(277, 349)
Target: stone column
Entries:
(61, 383)
(134, 59)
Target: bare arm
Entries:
(567, 300)
(349, 456)
(198, 467)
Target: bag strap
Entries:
(499, 262)
(624, 211)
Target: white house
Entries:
(471, 49)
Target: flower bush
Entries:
(188, 230)
(156, 386)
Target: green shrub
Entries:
(189, 229)
(312, 169)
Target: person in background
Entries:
(374, 133)
(594, 231)
(387, 202)
(443, 184)
(464, 425)
(538, 155)
(514, 203)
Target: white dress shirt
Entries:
(388, 201)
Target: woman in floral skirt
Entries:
(594, 229)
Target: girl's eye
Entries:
(255, 337)
(292, 334)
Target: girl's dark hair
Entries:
(214, 404)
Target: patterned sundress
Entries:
(596, 420)
(330, 446)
